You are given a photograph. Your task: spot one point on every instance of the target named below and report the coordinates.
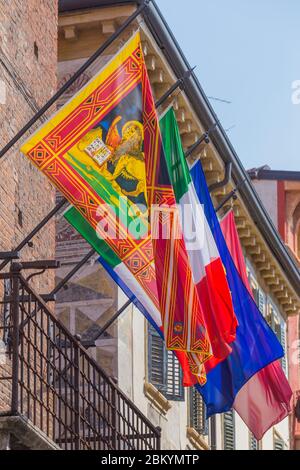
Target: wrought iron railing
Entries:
(49, 378)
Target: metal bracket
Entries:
(39, 264)
(225, 180)
(9, 255)
(204, 138)
(180, 83)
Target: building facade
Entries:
(280, 193)
(147, 373)
(28, 62)
(127, 367)
(27, 54)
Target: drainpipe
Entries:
(213, 433)
(225, 180)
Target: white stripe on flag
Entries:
(127, 277)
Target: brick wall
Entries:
(28, 60)
(28, 52)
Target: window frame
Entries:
(270, 312)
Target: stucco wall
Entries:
(267, 191)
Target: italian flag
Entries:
(208, 271)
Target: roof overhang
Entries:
(171, 49)
(71, 5)
(205, 113)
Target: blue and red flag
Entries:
(256, 345)
(266, 398)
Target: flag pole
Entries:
(203, 138)
(105, 327)
(73, 271)
(180, 83)
(51, 297)
(74, 77)
(231, 195)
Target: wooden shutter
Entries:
(280, 332)
(278, 443)
(253, 442)
(229, 430)
(164, 369)
(259, 297)
(156, 360)
(198, 419)
(174, 388)
(279, 327)
(261, 301)
(283, 344)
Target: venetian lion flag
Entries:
(207, 269)
(103, 151)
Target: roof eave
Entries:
(171, 49)
(202, 107)
(65, 6)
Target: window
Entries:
(253, 442)
(198, 419)
(259, 296)
(270, 313)
(229, 430)
(164, 369)
(258, 293)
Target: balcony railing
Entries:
(47, 377)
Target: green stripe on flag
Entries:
(176, 162)
(89, 234)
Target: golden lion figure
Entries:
(126, 156)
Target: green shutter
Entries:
(164, 369)
(229, 430)
(198, 419)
